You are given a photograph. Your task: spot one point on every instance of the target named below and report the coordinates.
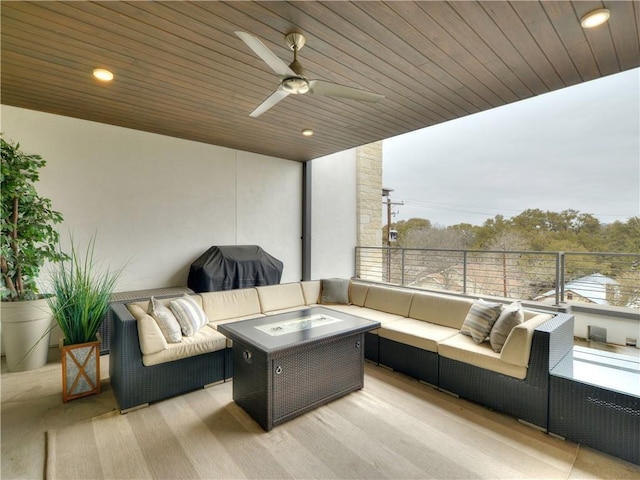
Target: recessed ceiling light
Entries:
(307, 132)
(595, 18)
(102, 74)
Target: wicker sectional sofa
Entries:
(419, 336)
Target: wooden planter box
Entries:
(80, 370)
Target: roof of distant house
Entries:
(593, 287)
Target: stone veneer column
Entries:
(369, 209)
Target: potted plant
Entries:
(28, 240)
(81, 293)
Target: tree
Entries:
(489, 230)
(623, 237)
(27, 223)
(628, 289)
(403, 227)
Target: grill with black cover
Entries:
(233, 266)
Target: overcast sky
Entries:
(576, 148)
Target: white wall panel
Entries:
(270, 209)
(333, 215)
(157, 202)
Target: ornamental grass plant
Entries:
(81, 291)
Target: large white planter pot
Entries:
(25, 333)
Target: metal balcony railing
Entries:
(549, 277)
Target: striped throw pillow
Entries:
(511, 316)
(481, 317)
(166, 320)
(190, 315)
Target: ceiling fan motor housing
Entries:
(295, 40)
(295, 85)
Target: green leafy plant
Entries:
(81, 291)
(27, 223)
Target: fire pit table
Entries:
(287, 364)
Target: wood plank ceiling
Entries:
(181, 71)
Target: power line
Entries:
(491, 211)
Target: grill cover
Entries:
(231, 267)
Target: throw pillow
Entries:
(481, 317)
(166, 320)
(335, 291)
(509, 318)
(190, 315)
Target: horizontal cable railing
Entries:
(549, 277)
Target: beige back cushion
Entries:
(279, 297)
(230, 304)
(311, 291)
(358, 293)
(517, 347)
(149, 333)
(447, 311)
(388, 300)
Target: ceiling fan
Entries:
(293, 79)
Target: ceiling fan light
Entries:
(295, 85)
(595, 18)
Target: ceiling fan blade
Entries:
(320, 87)
(266, 55)
(271, 100)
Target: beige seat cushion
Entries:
(417, 333)
(462, 348)
(377, 316)
(231, 320)
(352, 309)
(448, 311)
(390, 300)
(280, 297)
(205, 340)
(368, 313)
(230, 304)
(287, 310)
(236, 319)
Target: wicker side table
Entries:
(133, 296)
(594, 399)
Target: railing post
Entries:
(388, 264)
(563, 267)
(356, 266)
(464, 272)
(402, 269)
(559, 278)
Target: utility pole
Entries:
(389, 203)
(386, 193)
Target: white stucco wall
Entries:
(156, 202)
(333, 215)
